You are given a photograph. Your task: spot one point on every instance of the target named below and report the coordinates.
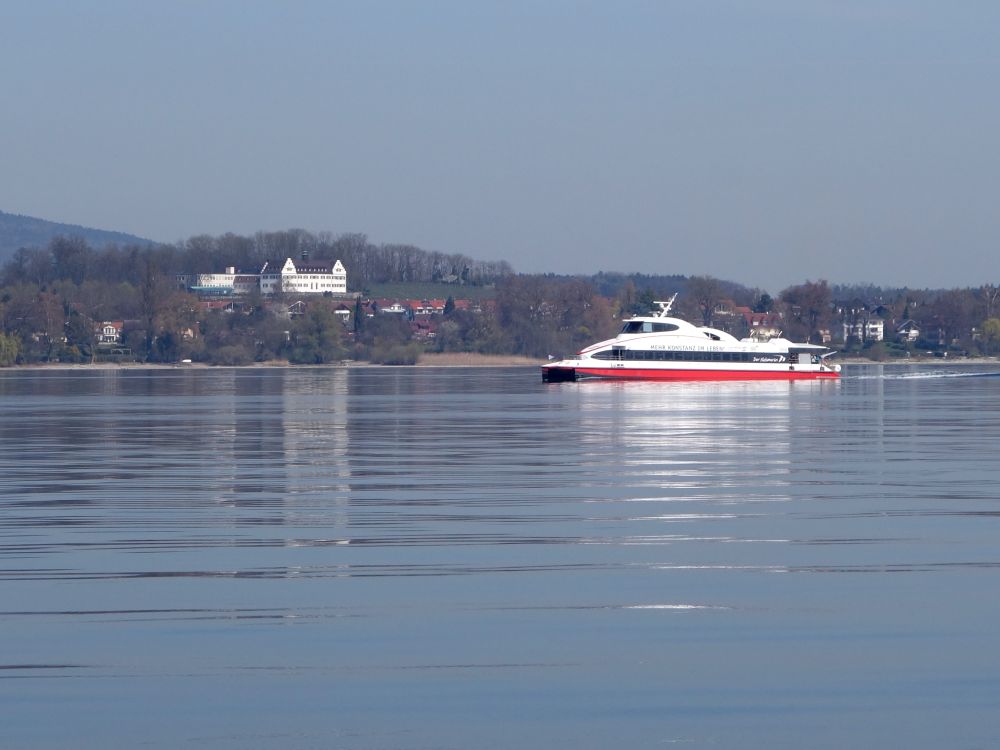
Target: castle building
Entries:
(290, 277)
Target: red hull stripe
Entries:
(679, 374)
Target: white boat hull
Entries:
(579, 369)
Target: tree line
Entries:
(53, 297)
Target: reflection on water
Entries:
(666, 437)
(467, 554)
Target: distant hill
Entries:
(18, 231)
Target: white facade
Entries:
(303, 277)
(908, 332)
(869, 330)
(215, 280)
(110, 332)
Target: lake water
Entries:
(470, 558)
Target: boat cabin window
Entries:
(620, 353)
(646, 326)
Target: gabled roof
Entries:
(300, 266)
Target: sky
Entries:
(761, 141)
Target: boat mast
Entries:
(665, 306)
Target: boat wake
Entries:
(922, 375)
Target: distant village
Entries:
(226, 301)
(301, 279)
(287, 289)
(298, 281)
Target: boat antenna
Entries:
(665, 306)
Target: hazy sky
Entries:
(763, 141)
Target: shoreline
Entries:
(456, 359)
(450, 359)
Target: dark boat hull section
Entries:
(558, 374)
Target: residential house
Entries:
(424, 327)
(110, 332)
(871, 329)
(295, 310)
(343, 313)
(907, 332)
(426, 306)
(761, 326)
(390, 307)
(423, 308)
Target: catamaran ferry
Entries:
(660, 347)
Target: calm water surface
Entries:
(470, 558)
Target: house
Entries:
(424, 328)
(728, 316)
(762, 326)
(295, 310)
(110, 332)
(390, 307)
(415, 309)
(907, 332)
(477, 306)
(872, 329)
(343, 313)
(221, 305)
(426, 306)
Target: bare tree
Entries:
(989, 293)
(707, 293)
(808, 307)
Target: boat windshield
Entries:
(646, 326)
